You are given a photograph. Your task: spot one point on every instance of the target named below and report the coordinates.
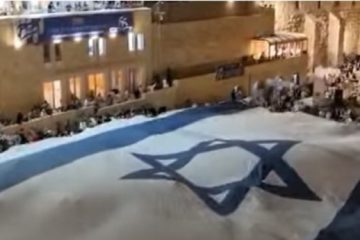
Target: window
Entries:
(75, 86)
(319, 4)
(96, 46)
(57, 52)
(336, 3)
(52, 93)
(46, 53)
(353, 3)
(117, 80)
(296, 5)
(96, 83)
(140, 41)
(101, 46)
(92, 47)
(131, 41)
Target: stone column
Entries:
(351, 32)
(335, 39)
(283, 14)
(310, 31)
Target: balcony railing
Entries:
(19, 8)
(207, 68)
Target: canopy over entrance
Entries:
(280, 44)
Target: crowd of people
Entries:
(98, 101)
(92, 100)
(341, 96)
(114, 96)
(279, 95)
(26, 7)
(29, 135)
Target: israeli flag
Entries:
(200, 173)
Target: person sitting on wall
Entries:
(126, 96)
(109, 99)
(169, 77)
(75, 102)
(157, 81)
(117, 96)
(235, 94)
(89, 101)
(19, 118)
(137, 92)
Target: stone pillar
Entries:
(351, 32)
(310, 31)
(335, 40)
(283, 14)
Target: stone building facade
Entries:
(344, 16)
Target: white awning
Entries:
(282, 37)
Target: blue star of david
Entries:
(236, 191)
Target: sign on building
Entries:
(229, 70)
(37, 30)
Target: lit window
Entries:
(131, 41)
(96, 83)
(102, 46)
(96, 46)
(140, 41)
(52, 93)
(75, 86)
(91, 47)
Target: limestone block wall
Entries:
(352, 31)
(206, 88)
(23, 70)
(335, 39)
(191, 43)
(321, 43)
(290, 16)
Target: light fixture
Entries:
(113, 32)
(131, 41)
(57, 40)
(18, 43)
(94, 35)
(77, 38)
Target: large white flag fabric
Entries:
(201, 173)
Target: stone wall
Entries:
(23, 70)
(206, 88)
(184, 44)
(352, 31)
(290, 16)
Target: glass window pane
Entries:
(48, 92)
(102, 46)
(140, 41)
(57, 93)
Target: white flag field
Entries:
(209, 173)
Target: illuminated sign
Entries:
(37, 30)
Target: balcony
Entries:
(9, 9)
